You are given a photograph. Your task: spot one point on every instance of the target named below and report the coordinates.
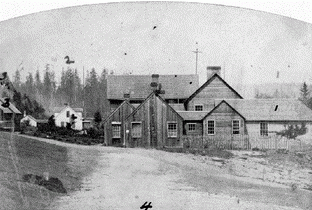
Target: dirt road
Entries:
(127, 178)
(98, 177)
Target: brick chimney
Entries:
(126, 96)
(154, 83)
(211, 70)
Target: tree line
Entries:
(42, 90)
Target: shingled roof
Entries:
(192, 115)
(7, 110)
(271, 109)
(175, 86)
(59, 109)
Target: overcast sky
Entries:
(145, 38)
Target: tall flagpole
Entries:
(196, 52)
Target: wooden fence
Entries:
(245, 142)
(6, 124)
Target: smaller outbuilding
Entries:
(33, 121)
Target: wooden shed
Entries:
(154, 124)
(114, 124)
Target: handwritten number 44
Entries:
(146, 207)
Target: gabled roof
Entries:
(36, 120)
(125, 102)
(207, 83)
(175, 86)
(224, 102)
(271, 109)
(145, 101)
(192, 115)
(7, 110)
(60, 109)
(31, 117)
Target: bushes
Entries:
(92, 135)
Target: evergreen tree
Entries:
(97, 119)
(92, 99)
(29, 85)
(17, 80)
(304, 93)
(103, 93)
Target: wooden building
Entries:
(114, 132)
(223, 120)
(193, 122)
(154, 124)
(178, 88)
(6, 114)
(203, 99)
(214, 111)
(267, 117)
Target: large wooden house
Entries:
(214, 111)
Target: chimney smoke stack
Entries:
(155, 81)
(212, 70)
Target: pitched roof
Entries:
(125, 102)
(147, 98)
(59, 109)
(7, 110)
(36, 120)
(178, 107)
(271, 109)
(224, 102)
(192, 115)
(175, 86)
(207, 83)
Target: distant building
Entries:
(33, 121)
(6, 115)
(63, 115)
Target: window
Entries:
(191, 126)
(62, 124)
(235, 127)
(199, 107)
(67, 114)
(172, 129)
(136, 130)
(211, 127)
(264, 129)
(116, 127)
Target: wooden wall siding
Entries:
(119, 116)
(253, 128)
(223, 117)
(198, 128)
(215, 90)
(154, 115)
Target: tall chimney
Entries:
(126, 96)
(212, 70)
(154, 83)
